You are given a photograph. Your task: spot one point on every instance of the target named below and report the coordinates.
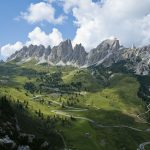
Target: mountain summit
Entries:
(106, 53)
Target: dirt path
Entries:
(74, 109)
(94, 122)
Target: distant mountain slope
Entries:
(106, 53)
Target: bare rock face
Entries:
(140, 58)
(78, 56)
(58, 55)
(106, 53)
(33, 51)
(62, 52)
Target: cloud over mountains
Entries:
(128, 20)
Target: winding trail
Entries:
(141, 146)
(58, 112)
(75, 109)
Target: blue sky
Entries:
(12, 30)
(89, 22)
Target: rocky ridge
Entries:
(106, 53)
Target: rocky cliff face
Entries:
(140, 59)
(33, 51)
(106, 53)
(78, 56)
(61, 53)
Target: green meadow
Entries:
(93, 109)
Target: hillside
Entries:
(91, 108)
(21, 129)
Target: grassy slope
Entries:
(121, 95)
(116, 102)
(88, 81)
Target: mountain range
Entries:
(107, 53)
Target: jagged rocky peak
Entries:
(111, 44)
(103, 52)
(36, 51)
(66, 43)
(32, 51)
(79, 55)
(62, 52)
(106, 53)
(18, 54)
(79, 49)
(65, 46)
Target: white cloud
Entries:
(9, 49)
(35, 37)
(42, 11)
(128, 20)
